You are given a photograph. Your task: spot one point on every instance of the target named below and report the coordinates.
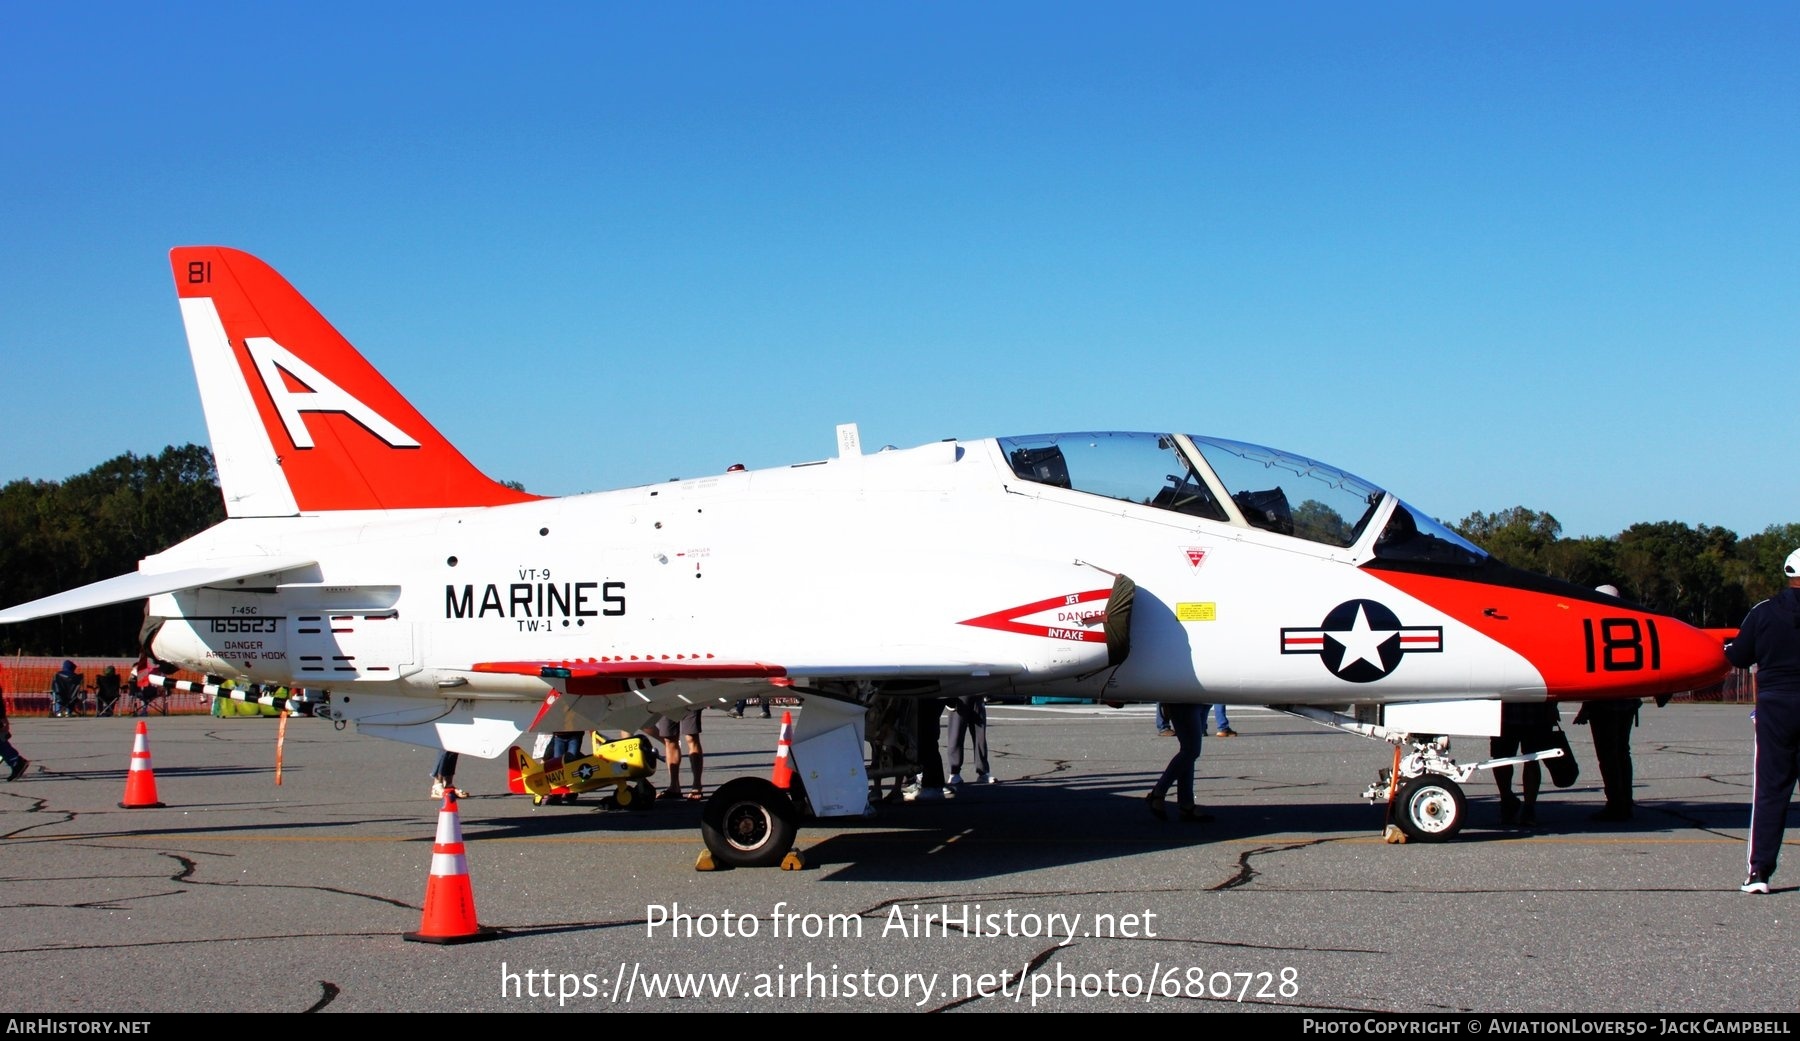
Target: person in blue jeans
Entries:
(1189, 722)
(14, 761)
(443, 776)
(1221, 725)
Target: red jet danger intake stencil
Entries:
(1075, 616)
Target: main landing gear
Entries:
(748, 822)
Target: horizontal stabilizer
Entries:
(139, 584)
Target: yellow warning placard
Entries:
(1197, 612)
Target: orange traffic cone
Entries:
(140, 780)
(449, 898)
(784, 757)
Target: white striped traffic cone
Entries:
(783, 777)
(449, 898)
(140, 780)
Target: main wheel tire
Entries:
(749, 822)
(643, 795)
(1431, 808)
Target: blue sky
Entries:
(1483, 255)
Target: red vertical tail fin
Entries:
(299, 421)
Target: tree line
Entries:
(56, 535)
(1704, 575)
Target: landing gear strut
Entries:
(1424, 788)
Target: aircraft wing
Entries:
(140, 584)
(614, 676)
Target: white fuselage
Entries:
(864, 567)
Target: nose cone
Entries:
(1635, 654)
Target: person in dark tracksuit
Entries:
(968, 716)
(106, 691)
(1611, 723)
(1524, 727)
(1769, 639)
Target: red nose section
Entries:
(1583, 649)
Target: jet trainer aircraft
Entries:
(362, 553)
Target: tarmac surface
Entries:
(1062, 892)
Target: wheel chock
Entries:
(705, 863)
(794, 861)
(1393, 835)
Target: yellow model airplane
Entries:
(625, 764)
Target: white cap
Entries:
(1792, 567)
(1609, 589)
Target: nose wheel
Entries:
(1430, 808)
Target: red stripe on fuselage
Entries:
(1583, 649)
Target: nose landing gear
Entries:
(1423, 790)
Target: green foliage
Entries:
(1680, 570)
(1756, 565)
(1319, 522)
(57, 536)
(1704, 575)
(1515, 536)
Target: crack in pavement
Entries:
(876, 910)
(110, 904)
(1057, 766)
(40, 806)
(1245, 873)
(1695, 822)
(1282, 786)
(276, 937)
(1037, 962)
(1714, 778)
(1242, 945)
(545, 928)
